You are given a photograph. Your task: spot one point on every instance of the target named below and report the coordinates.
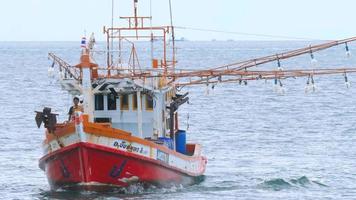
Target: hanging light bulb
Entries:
(61, 75)
(275, 86)
(279, 64)
(278, 86)
(281, 88)
(51, 71)
(348, 52)
(314, 62)
(347, 83)
(207, 90)
(307, 87)
(313, 84)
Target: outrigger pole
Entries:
(285, 55)
(234, 72)
(166, 72)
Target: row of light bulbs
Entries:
(310, 85)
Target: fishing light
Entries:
(278, 86)
(280, 83)
(348, 52)
(314, 62)
(313, 83)
(61, 74)
(275, 85)
(279, 64)
(51, 70)
(307, 87)
(347, 83)
(281, 88)
(207, 89)
(212, 89)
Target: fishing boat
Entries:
(128, 131)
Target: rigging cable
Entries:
(244, 33)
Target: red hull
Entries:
(89, 164)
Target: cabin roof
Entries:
(125, 86)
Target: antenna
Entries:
(135, 12)
(112, 39)
(112, 14)
(173, 39)
(135, 16)
(151, 30)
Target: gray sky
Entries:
(66, 20)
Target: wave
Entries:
(137, 190)
(278, 184)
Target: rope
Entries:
(244, 33)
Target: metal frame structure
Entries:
(137, 24)
(137, 30)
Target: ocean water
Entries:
(260, 144)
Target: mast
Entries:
(112, 39)
(135, 16)
(173, 38)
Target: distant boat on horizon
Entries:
(182, 39)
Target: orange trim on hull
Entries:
(61, 130)
(102, 130)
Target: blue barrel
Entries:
(168, 142)
(181, 142)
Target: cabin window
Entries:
(134, 101)
(124, 102)
(99, 102)
(149, 102)
(102, 120)
(111, 102)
